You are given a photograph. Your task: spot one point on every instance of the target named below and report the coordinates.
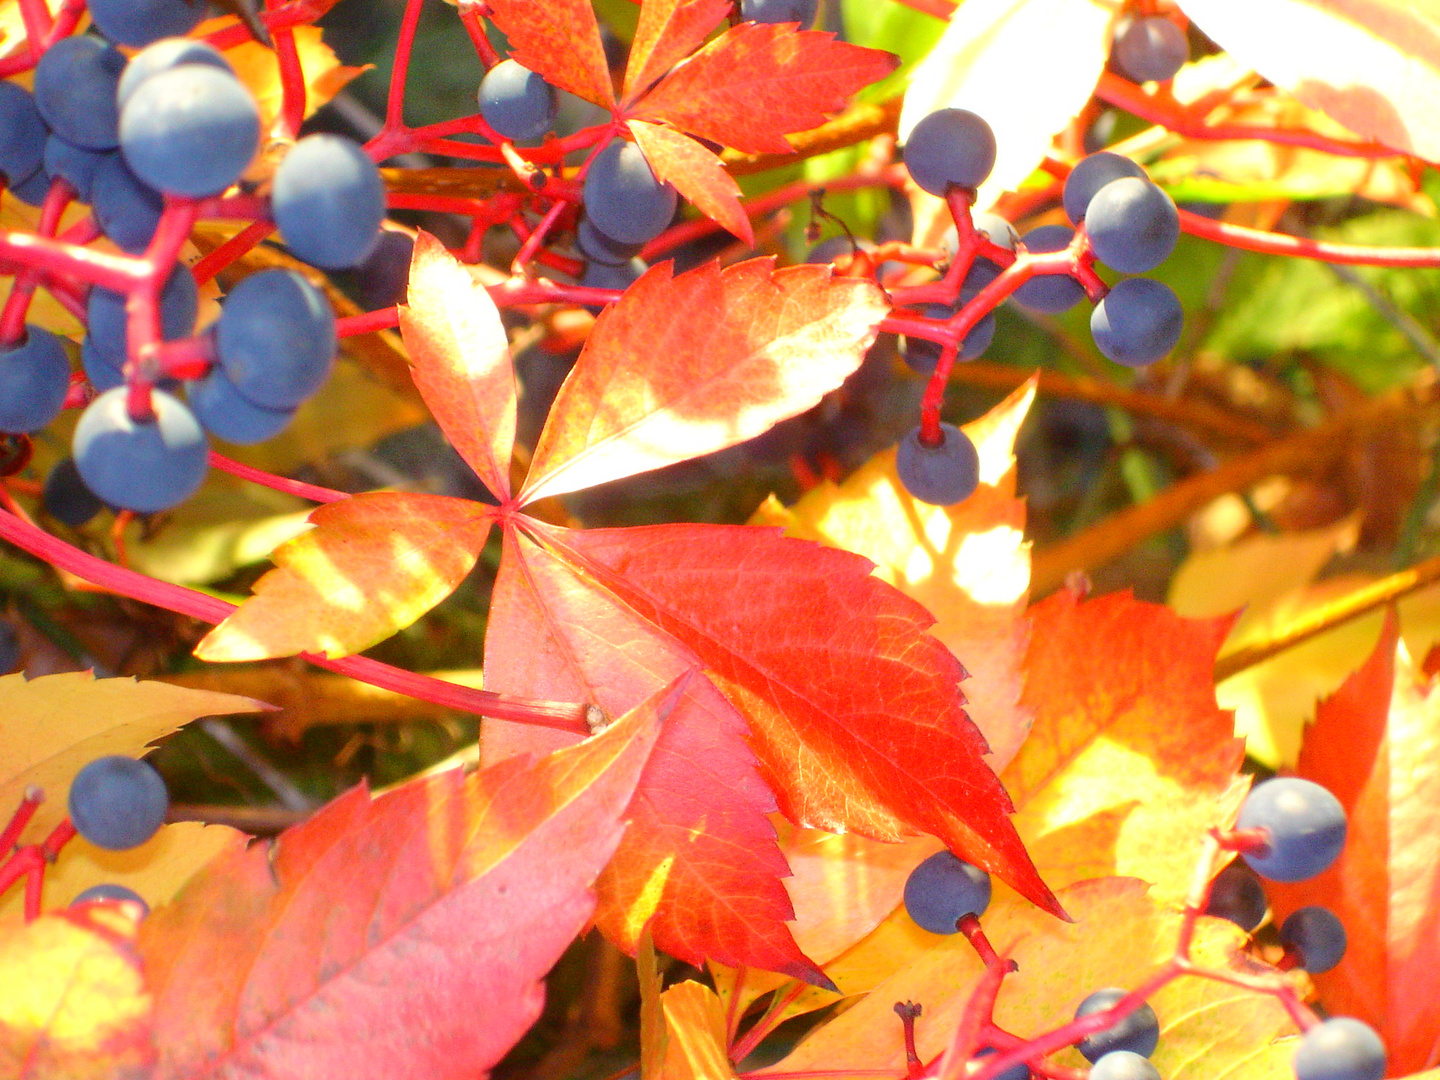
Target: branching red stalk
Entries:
(292, 81)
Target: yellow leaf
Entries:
(968, 564)
(695, 1021)
(75, 1005)
(52, 726)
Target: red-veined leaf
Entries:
(855, 711)
(1375, 744)
(352, 945)
(75, 1006)
(683, 366)
(699, 864)
(697, 174)
(560, 40)
(371, 565)
(668, 31)
(1373, 66)
(758, 82)
(461, 360)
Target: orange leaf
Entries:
(75, 1005)
(758, 82)
(1374, 67)
(372, 565)
(461, 360)
(560, 41)
(1374, 744)
(255, 65)
(342, 949)
(668, 31)
(1129, 760)
(697, 174)
(854, 710)
(695, 1023)
(655, 384)
(699, 864)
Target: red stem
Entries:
(472, 19)
(404, 46)
(292, 81)
(23, 813)
(231, 250)
(372, 321)
(277, 483)
(1268, 243)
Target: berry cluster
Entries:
(1121, 219)
(1288, 830)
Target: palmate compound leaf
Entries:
(853, 709)
(758, 82)
(75, 1005)
(657, 384)
(1119, 936)
(667, 32)
(52, 726)
(697, 174)
(344, 949)
(1374, 744)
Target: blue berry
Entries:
(922, 354)
(1123, 1065)
(1049, 292)
(139, 22)
(75, 83)
(22, 133)
(34, 378)
(1015, 1072)
(1150, 47)
(1316, 936)
(1138, 1032)
(1090, 175)
(1236, 895)
(66, 498)
(1137, 322)
(1133, 225)
(328, 200)
(276, 338)
(623, 199)
(191, 130)
(126, 208)
(75, 163)
(382, 279)
(111, 892)
(942, 889)
(117, 802)
(224, 412)
(164, 55)
(517, 102)
(140, 465)
(940, 475)
(1305, 826)
(950, 146)
(33, 189)
(1341, 1048)
(599, 248)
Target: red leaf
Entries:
(854, 710)
(668, 31)
(343, 949)
(656, 384)
(461, 360)
(697, 174)
(699, 861)
(1374, 744)
(560, 40)
(372, 565)
(759, 82)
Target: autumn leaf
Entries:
(461, 359)
(1130, 761)
(695, 1026)
(696, 173)
(54, 725)
(1373, 67)
(969, 564)
(657, 385)
(75, 1005)
(560, 41)
(1119, 936)
(341, 949)
(668, 31)
(758, 82)
(372, 564)
(255, 66)
(1374, 744)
